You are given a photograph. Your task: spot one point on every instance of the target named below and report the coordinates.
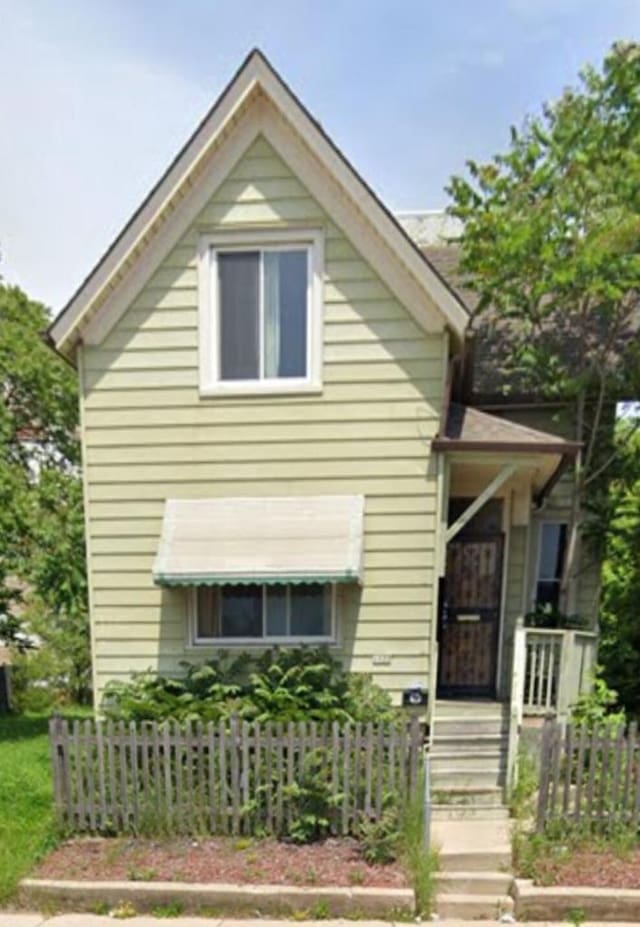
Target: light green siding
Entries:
(149, 435)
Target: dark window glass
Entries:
(553, 539)
(241, 611)
(276, 611)
(552, 544)
(310, 610)
(548, 593)
(239, 289)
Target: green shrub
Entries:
(311, 800)
(598, 706)
(381, 840)
(302, 684)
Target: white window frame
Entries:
(536, 576)
(264, 641)
(312, 240)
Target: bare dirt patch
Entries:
(594, 868)
(225, 859)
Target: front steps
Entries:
(469, 760)
(469, 818)
(474, 881)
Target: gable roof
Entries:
(109, 288)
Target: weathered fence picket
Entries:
(589, 775)
(230, 777)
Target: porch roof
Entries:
(282, 539)
(469, 429)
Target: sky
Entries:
(96, 97)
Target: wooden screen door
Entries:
(470, 617)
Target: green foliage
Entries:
(552, 231)
(619, 650)
(526, 785)
(172, 909)
(280, 686)
(539, 856)
(381, 840)
(551, 245)
(598, 705)
(576, 916)
(421, 861)
(546, 616)
(303, 684)
(27, 825)
(311, 799)
(42, 557)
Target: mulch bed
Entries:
(597, 869)
(224, 859)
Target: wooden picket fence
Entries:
(589, 777)
(228, 778)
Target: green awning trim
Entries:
(166, 579)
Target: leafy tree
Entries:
(551, 245)
(42, 565)
(620, 638)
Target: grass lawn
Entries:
(27, 825)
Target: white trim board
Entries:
(232, 119)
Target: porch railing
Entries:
(551, 668)
(557, 668)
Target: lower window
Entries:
(294, 612)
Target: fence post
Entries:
(59, 759)
(548, 732)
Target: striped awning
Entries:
(292, 539)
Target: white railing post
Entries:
(567, 676)
(516, 707)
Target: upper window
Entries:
(260, 312)
(553, 538)
(298, 612)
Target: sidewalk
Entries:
(93, 920)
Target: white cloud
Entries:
(85, 132)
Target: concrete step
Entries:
(469, 813)
(475, 883)
(450, 777)
(466, 742)
(453, 727)
(470, 706)
(462, 759)
(473, 907)
(475, 860)
(468, 796)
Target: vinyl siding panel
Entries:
(148, 435)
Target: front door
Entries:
(470, 616)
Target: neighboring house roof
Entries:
(201, 166)
(470, 429)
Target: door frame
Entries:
(494, 690)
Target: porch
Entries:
(493, 672)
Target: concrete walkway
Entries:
(93, 920)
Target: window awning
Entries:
(297, 539)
